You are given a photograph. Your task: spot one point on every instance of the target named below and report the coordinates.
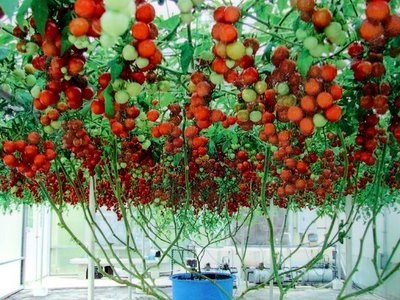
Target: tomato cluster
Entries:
(66, 86)
(144, 50)
(174, 141)
(368, 68)
(88, 14)
(29, 156)
(77, 140)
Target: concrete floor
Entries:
(73, 288)
(121, 293)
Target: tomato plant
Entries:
(218, 107)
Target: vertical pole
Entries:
(349, 241)
(338, 260)
(271, 283)
(290, 229)
(92, 206)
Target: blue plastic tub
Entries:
(186, 288)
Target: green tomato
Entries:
(107, 41)
(249, 95)
(122, 97)
(340, 38)
(255, 116)
(317, 51)
(310, 42)
(146, 144)
(117, 5)
(30, 80)
(129, 53)
(301, 34)
(186, 18)
(133, 88)
(185, 6)
(249, 51)
(114, 23)
(82, 42)
(236, 50)
(35, 91)
(216, 78)
(6, 88)
(48, 129)
(142, 62)
(319, 120)
(118, 84)
(56, 124)
(282, 89)
(230, 63)
(29, 69)
(31, 48)
(333, 29)
(260, 87)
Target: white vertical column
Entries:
(349, 241)
(40, 290)
(92, 207)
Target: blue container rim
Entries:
(176, 277)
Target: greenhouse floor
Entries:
(66, 288)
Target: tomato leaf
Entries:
(40, 11)
(304, 62)
(166, 99)
(186, 56)
(109, 103)
(3, 53)
(263, 10)
(170, 23)
(116, 67)
(65, 43)
(9, 7)
(22, 11)
(211, 147)
(282, 4)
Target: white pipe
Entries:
(92, 207)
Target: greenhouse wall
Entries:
(386, 222)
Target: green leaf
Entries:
(282, 4)
(40, 11)
(65, 43)
(23, 97)
(116, 67)
(170, 23)
(109, 103)
(177, 158)
(304, 62)
(9, 7)
(166, 99)
(211, 147)
(22, 11)
(263, 10)
(3, 52)
(186, 56)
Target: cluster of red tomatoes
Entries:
(77, 140)
(29, 156)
